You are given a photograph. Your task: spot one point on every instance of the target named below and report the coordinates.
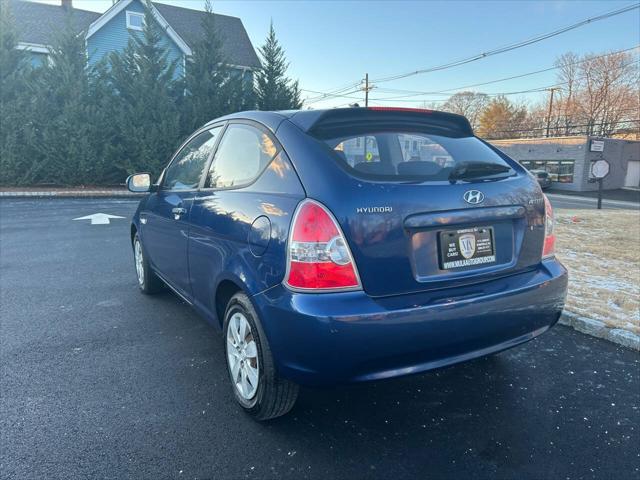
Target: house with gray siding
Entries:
(38, 23)
(568, 160)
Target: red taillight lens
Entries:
(318, 256)
(549, 247)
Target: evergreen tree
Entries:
(15, 104)
(274, 90)
(64, 119)
(238, 92)
(213, 88)
(144, 120)
(205, 76)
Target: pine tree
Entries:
(238, 92)
(274, 90)
(144, 123)
(206, 73)
(213, 88)
(15, 102)
(64, 120)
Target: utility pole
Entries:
(550, 109)
(366, 89)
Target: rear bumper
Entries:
(350, 337)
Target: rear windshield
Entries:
(411, 156)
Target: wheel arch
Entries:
(133, 231)
(225, 289)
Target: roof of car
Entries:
(336, 118)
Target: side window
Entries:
(243, 153)
(188, 166)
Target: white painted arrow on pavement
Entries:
(99, 218)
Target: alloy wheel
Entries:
(139, 261)
(242, 356)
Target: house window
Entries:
(135, 20)
(560, 171)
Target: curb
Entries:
(70, 194)
(599, 329)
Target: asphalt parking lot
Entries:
(99, 381)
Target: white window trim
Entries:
(121, 5)
(33, 47)
(131, 13)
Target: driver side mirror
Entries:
(139, 182)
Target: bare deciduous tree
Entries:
(469, 104)
(598, 94)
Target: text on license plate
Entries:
(466, 247)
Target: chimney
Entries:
(67, 4)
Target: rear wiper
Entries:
(476, 170)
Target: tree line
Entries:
(593, 95)
(67, 123)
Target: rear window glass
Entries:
(418, 157)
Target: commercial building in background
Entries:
(568, 160)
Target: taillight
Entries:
(549, 237)
(318, 255)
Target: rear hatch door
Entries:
(424, 204)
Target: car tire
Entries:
(272, 396)
(148, 281)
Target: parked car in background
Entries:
(543, 178)
(336, 246)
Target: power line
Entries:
(333, 93)
(417, 92)
(323, 95)
(310, 101)
(512, 46)
(569, 127)
(403, 98)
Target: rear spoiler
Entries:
(333, 123)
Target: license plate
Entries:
(466, 247)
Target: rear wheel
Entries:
(148, 281)
(256, 385)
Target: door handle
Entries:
(177, 212)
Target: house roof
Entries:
(188, 24)
(37, 23)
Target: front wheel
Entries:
(256, 385)
(147, 280)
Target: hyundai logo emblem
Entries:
(473, 197)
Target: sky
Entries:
(332, 44)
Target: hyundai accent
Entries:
(348, 245)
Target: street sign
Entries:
(99, 218)
(600, 169)
(597, 146)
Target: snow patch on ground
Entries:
(601, 249)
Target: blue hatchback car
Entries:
(348, 245)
